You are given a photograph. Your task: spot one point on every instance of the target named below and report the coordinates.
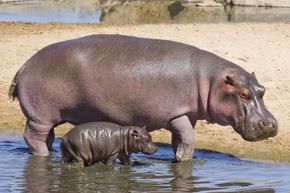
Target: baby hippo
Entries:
(94, 142)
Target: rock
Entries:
(163, 11)
(135, 12)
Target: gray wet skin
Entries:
(94, 142)
(135, 81)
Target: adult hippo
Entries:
(136, 81)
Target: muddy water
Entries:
(126, 12)
(208, 172)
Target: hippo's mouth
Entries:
(149, 149)
(256, 131)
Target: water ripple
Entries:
(208, 172)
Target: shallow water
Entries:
(126, 12)
(208, 172)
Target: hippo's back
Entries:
(92, 130)
(121, 79)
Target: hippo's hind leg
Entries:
(66, 156)
(182, 138)
(36, 136)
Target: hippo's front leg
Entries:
(182, 138)
(125, 159)
(35, 136)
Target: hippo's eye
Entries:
(244, 94)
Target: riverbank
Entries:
(259, 47)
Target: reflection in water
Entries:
(39, 175)
(98, 177)
(126, 12)
(183, 180)
(209, 172)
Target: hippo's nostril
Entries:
(265, 123)
(262, 123)
(273, 124)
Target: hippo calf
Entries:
(137, 81)
(94, 142)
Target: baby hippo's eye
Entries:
(244, 94)
(149, 137)
(146, 139)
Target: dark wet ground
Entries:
(127, 12)
(209, 172)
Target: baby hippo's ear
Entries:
(135, 134)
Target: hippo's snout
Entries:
(150, 148)
(259, 130)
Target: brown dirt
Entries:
(259, 47)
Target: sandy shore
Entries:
(258, 47)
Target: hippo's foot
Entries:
(182, 138)
(35, 136)
(37, 147)
(81, 164)
(184, 152)
(111, 160)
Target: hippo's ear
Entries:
(144, 127)
(253, 73)
(229, 82)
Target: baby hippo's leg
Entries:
(66, 156)
(80, 161)
(125, 159)
(111, 160)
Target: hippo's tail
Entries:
(13, 87)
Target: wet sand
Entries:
(259, 47)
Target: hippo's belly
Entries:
(151, 115)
